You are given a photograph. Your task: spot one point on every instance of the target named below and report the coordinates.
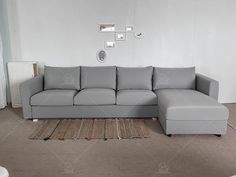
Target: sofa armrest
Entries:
(207, 86)
(28, 89)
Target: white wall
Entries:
(176, 33)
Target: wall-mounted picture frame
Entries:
(138, 35)
(120, 36)
(129, 28)
(101, 56)
(106, 27)
(109, 44)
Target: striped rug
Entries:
(62, 129)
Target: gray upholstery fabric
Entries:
(98, 77)
(136, 97)
(53, 98)
(196, 127)
(183, 104)
(27, 89)
(95, 96)
(207, 86)
(183, 78)
(98, 111)
(134, 78)
(180, 111)
(62, 78)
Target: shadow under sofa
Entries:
(184, 102)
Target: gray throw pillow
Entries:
(178, 78)
(61, 78)
(98, 77)
(135, 78)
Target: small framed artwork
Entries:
(129, 28)
(101, 56)
(138, 35)
(109, 44)
(120, 36)
(107, 27)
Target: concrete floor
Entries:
(232, 114)
(158, 156)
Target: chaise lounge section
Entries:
(183, 110)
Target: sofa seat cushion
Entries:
(186, 104)
(136, 97)
(95, 96)
(53, 98)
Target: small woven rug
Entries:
(62, 129)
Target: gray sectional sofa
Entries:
(184, 102)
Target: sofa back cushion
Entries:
(61, 78)
(135, 78)
(180, 78)
(98, 77)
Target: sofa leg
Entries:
(169, 135)
(35, 120)
(218, 135)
